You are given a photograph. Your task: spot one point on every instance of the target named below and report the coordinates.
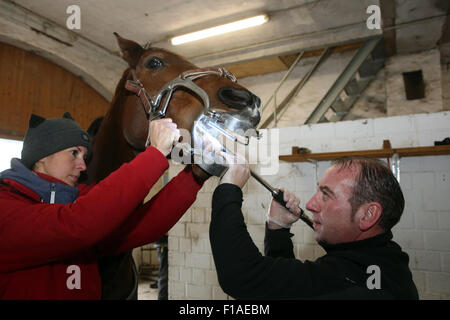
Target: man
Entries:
(357, 203)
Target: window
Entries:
(414, 86)
(9, 149)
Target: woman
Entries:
(53, 231)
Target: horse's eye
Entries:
(154, 63)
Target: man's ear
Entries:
(130, 50)
(370, 215)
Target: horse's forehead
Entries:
(157, 51)
(167, 55)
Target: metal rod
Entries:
(262, 181)
(231, 137)
(296, 89)
(275, 110)
(342, 81)
(291, 68)
(278, 195)
(395, 166)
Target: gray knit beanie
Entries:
(47, 136)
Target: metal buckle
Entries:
(227, 74)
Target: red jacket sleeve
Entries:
(156, 217)
(38, 233)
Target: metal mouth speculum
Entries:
(222, 129)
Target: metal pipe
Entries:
(395, 166)
(278, 195)
(275, 110)
(291, 68)
(323, 56)
(296, 89)
(342, 80)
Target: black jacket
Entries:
(342, 273)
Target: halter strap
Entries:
(184, 80)
(202, 72)
(150, 105)
(137, 87)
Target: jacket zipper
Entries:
(52, 193)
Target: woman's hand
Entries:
(163, 135)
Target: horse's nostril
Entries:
(235, 97)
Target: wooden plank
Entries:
(423, 151)
(257, 67)
(11, 135)
(281, 63)
(289, 59)
(378, 154)
(32, 84)
(327, 156)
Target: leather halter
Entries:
(185, 79)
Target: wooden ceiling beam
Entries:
(281, 63)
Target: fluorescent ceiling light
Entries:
(214, 31)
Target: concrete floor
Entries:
(145, 292)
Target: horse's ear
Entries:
(130, 50)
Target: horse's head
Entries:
(156, 70)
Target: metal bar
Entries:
(278, 196)
(297, 88)
(291, 68)
(395, 166)
(342, 81)
(286, 103)
(263, 182)
(275, 110)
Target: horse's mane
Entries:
(96, 123)
(121, 91)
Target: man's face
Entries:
(332, 212)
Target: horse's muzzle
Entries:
(236, 98)
(247, 103)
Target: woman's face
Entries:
(65, 165)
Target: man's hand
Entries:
(280, 217)
(163, 135)
(238, 171)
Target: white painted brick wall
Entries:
(423, 231)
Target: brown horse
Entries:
(123, 131)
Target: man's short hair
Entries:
(375, 182)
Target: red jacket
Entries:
(50, 251)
